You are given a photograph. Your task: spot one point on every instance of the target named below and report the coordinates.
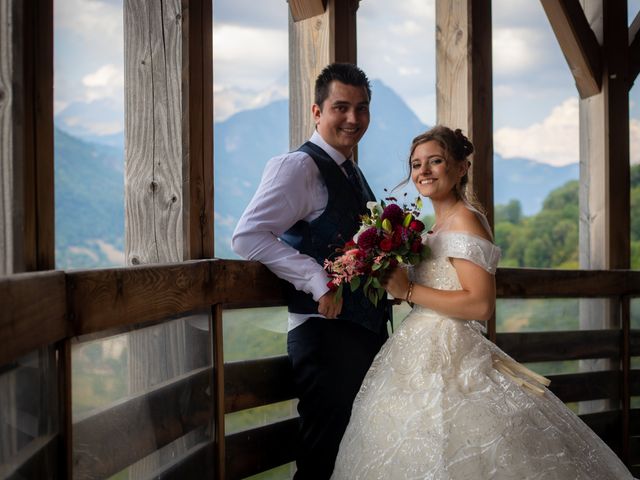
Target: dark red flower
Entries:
(416, 246)
(368, 239)
(416, 226)
(398, 236)
(394, 213)
(386, 245)
(332, 286)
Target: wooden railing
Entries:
(53, 308)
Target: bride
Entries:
(440, 400)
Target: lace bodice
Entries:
(437, 270)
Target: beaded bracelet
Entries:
(409, 292)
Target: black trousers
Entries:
(330, 359)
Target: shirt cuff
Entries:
(318, 285)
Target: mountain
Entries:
(89, 178)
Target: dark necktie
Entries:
(353, 177)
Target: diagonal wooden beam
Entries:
(303, 9)
(578, 43)
(634, 49)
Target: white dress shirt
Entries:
(291, 189)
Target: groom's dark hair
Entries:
(346, 73)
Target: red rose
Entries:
(332, 286)
(416, 226)
(386, 245)
(416, 246)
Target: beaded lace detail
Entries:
(437, 403)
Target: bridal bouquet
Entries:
(388, 236)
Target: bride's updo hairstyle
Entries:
(457, 148)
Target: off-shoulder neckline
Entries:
(459, 232)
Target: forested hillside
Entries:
(550, 237)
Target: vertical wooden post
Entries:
(464, 87)
(605, 170)
(314, 43)
(26, 124)
(27, 192)
(217, 357)
(168, 161)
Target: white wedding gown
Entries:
(442, 402)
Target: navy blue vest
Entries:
(333, 228)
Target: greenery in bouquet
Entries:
(390, 235)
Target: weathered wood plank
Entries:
(314, 43)
(218, 423)
(551, 283)
(577, 42)
(26, 127)
(111, 298)
(107, 441)
(559, 346)
(576, 387)
(253, 383)
(32, 312)
(153, 130)
(9, 172)
(197, 129)
(254, 451)
(303, 9)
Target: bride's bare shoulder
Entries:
(466, 220)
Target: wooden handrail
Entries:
(39, 309)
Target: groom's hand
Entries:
(328, 306)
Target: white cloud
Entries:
(228, 101)
(98, 23)
(249, 58)
(553, 141)
(107, 81)
(515, 50)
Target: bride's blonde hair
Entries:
(457, 147)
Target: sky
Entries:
(535, 99)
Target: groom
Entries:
(308, 203)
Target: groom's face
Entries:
(343, 117)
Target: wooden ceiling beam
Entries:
(303, 9)
(634, 50)
(578, 43)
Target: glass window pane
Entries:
(396, 49)
(29, 413)
(143, 387)
(535, 141)
(251, 109)
(88, 133)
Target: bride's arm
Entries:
(476, 300)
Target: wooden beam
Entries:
(110, 298)
(26, 125)
(32, 313)
(253, 383)
(576, 387)
(464, 84)
(578, 43)
(260, 449)
(197, 129)
(634, 50)
(153, 132)
(561, 346)
(313, 44)
(552, 283)
(303, 9)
